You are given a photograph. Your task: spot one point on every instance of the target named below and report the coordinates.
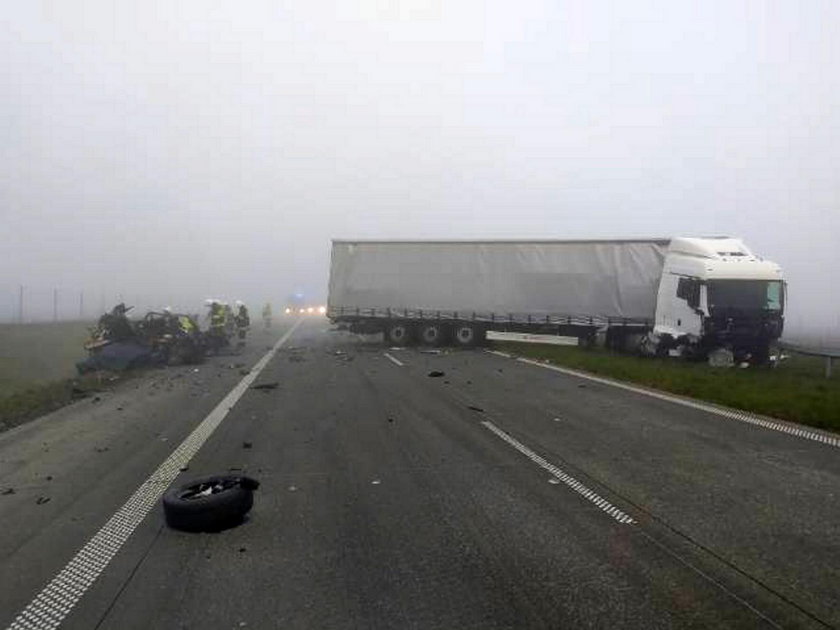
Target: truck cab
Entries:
(714, 292)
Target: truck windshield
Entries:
(746, 294)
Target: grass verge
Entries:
(796, 390)
(27, 404)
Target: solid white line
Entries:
(733, 414)
(570, 481)
(53, 604)
(394, 360)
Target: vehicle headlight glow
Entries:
(310, 310)
(322, 309)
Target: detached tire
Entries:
(209, 503)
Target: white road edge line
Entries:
(50, 607)
(772, 424)
(394, 360)
(567, 479)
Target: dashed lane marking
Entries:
(394, 360)
(574, 484)
(772, 424)
(49, 608)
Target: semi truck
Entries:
(680, 295)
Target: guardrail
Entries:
(829, 355)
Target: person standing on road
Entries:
(266, 315)
(243, 321)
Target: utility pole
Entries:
(20, 305)
(55, 305)
(81, 305)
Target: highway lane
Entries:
(388, 501)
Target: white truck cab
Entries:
(715, 292)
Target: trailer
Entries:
(652, 295)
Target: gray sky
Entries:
(171, 151)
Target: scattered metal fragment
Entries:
(553, 480)
(8, 491)
(247, 445)
(42, 500)
(266, 386)
(96, 399)
(436, 374)
(474, 408)
(375, 482)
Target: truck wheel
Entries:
(398, 334)
(209, 503)
(466, 335)
(432, 335)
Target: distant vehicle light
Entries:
(302, 311)
(288, 311)
(322, 310)
(310, 310)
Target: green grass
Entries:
(796, 390)
(37, 354)
(38, 369)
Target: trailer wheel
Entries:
(398, 334)
(432, 335)
(466, 335)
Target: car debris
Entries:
(247, 445)
(8, 491)
(42, 500)
(474, 408)
(436, 374)
(209, 503)
(266, 386)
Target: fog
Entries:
(166, 152)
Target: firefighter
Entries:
(243, 321)
(216, 336)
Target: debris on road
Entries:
(553, 480)
(436, 374)
(96, 399)
(474, 408)
(42, 500)
(247, 445)
(8, 491)
(375, 482)
(266, 386)
(244, 372)
(210, 503)
(101, 449)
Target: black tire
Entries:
(467, 335)
(432, 335)
(398, 334)
(227, 500)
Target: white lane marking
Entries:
(499, 353)
(732, 414)
(394, 360)
(53, 604)
(570, 481)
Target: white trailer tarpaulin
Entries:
(600, 279)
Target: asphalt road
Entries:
(499, 495)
